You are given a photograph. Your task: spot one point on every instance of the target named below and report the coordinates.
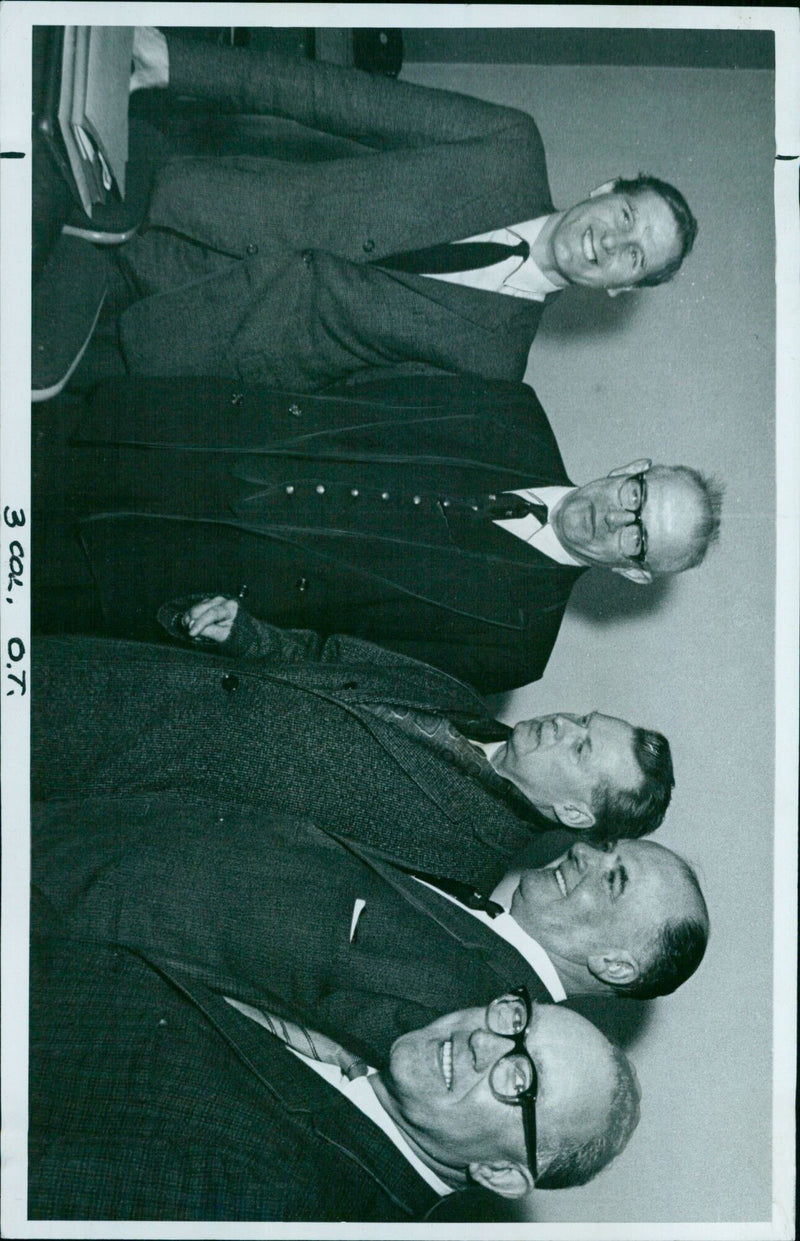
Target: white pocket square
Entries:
(357, 907)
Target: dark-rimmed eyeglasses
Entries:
(633, 537)
(513, 1078)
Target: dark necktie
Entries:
(507, 505)
(450, 257)
(463, 892)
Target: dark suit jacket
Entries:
(260, 907)
(153, 464)
(292, 726)
(264, 270)
(154, 1099)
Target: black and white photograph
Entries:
(400, 538)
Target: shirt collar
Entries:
(529, 279)
(543, 538)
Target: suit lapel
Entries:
(300, 1090)
(498, 956)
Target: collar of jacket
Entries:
(300, 1090)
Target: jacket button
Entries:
(237, 398)
(368, 246)
(289, 489)
(307, 257)
(230, 682)
(384, 495)
(295, 411)
(417, 499)
(301, 584)
(320, 489)
(354, 492)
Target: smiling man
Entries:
(421, 232)
(153, 1098)
(628, 919)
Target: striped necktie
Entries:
(307, 1042)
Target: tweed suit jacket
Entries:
(268, 270)
(328, 507)
(292, 726)
(154, 1099)
(272, 911)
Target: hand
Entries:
(150, 59)
(211, 619)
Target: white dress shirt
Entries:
(514, 276)
(361, 1095)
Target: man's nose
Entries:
(567, 727)
(583, 855)
(616, 518)
(487, 1048)
(609, 241)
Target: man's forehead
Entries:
(673, 511)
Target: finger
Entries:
(215, 611)
(201, 609)
(216, 632)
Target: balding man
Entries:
(432, 516)
(280, 913)
(154, 1098)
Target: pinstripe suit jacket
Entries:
(265, 270)
(291, 725)
(272, 911)
(151, 1098)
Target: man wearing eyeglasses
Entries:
(156, 1100)
(433, 516)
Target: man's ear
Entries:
(606, 188)
(634, 573)
(615, 966)
(577, 815)
(503, 1177)
(635, 467)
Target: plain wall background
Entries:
(683, 373)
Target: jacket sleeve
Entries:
(252, 638)
(377, 110)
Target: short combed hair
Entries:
(685, 222)
(711, 491)
(635, 812)
(575, 1165)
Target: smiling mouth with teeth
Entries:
(589, 252)
(447, 1063)
(562, 886)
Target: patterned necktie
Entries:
(452, 256)
(309, 1043)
